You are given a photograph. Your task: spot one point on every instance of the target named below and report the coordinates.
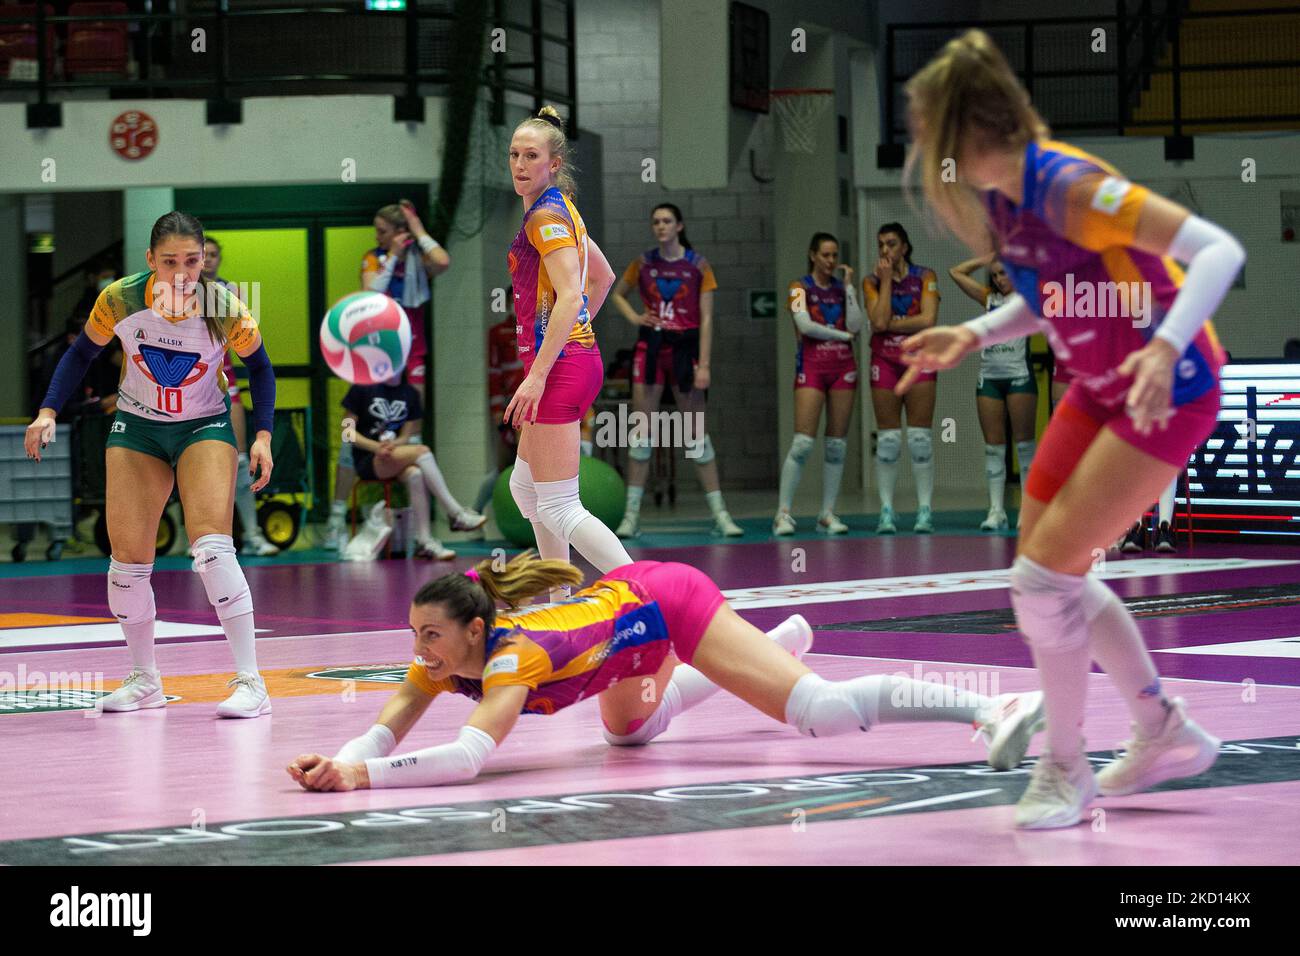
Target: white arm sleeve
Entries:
(854, 317)
(1011, 320)
(1213, 260)
(380, 282)
(378, 741)
(815, 330)
(446, 763)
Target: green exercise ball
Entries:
(600, 487)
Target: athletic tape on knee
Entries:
(836, 449)
(523, 490)
(822, 708)
(559, 508)
(652, 726)
(995, 461)
(920, 445)
(638, 448)
(701, 452)
(889, 444)
(801, 448)
(218, 568)
(130, 595)
(1049, 606)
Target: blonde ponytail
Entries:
(550, 126)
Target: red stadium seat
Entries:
(96, 46)
(18, 40)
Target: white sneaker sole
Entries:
(144, 703)
(263, 709)
(1065, 817)
(1199, 762)
(1009, 746)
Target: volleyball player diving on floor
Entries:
(662, 621)
(173, 424)
(1145, 392)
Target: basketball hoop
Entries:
(798, 110)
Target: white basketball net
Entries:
(798, 113)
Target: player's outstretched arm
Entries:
(399, 715)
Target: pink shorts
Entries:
(572, 386)
(886, 372)
(419, 347)
(1079, 417)
(826, 374)
(686, 596)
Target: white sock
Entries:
(822, 708)
(832, 472)
(920, 446)
(1167, 503)
(995, 472)
(338, 511)
(242, 636)
(1025, 456)
(244, 502)
(634, 495)
(801, 447)
(437, 484)
(716, 505)
(889, 443)
(419, 497)
(1118, 649)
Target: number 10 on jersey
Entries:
(169, 399)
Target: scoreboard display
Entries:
(1245, 479)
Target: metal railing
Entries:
(241, 49)
(1077, 87)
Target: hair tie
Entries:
(473, 576)
(553, 120)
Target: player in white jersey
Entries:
(1006, 385)
(173, 423)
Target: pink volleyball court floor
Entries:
(724, 785)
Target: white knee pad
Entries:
(1096, 597)
(701, 452)
(836, 448)
(920, 445)
(889, 444)
(653, 726)
(822, 708)
(559, 507)
(801, 447)
(218, 568)
(130, 595)
(522, 489)
(638, 447)
(1049, 606)
(995, 461)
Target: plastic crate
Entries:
(36, 492)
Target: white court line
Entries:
(988, 579)
(1019, 667)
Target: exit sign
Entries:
(385, 4)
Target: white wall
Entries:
(296, 139)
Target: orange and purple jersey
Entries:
(1068, 250)
(671, 288)
(567, 652)
(908, 296)
(551, 223)
(824, 306)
